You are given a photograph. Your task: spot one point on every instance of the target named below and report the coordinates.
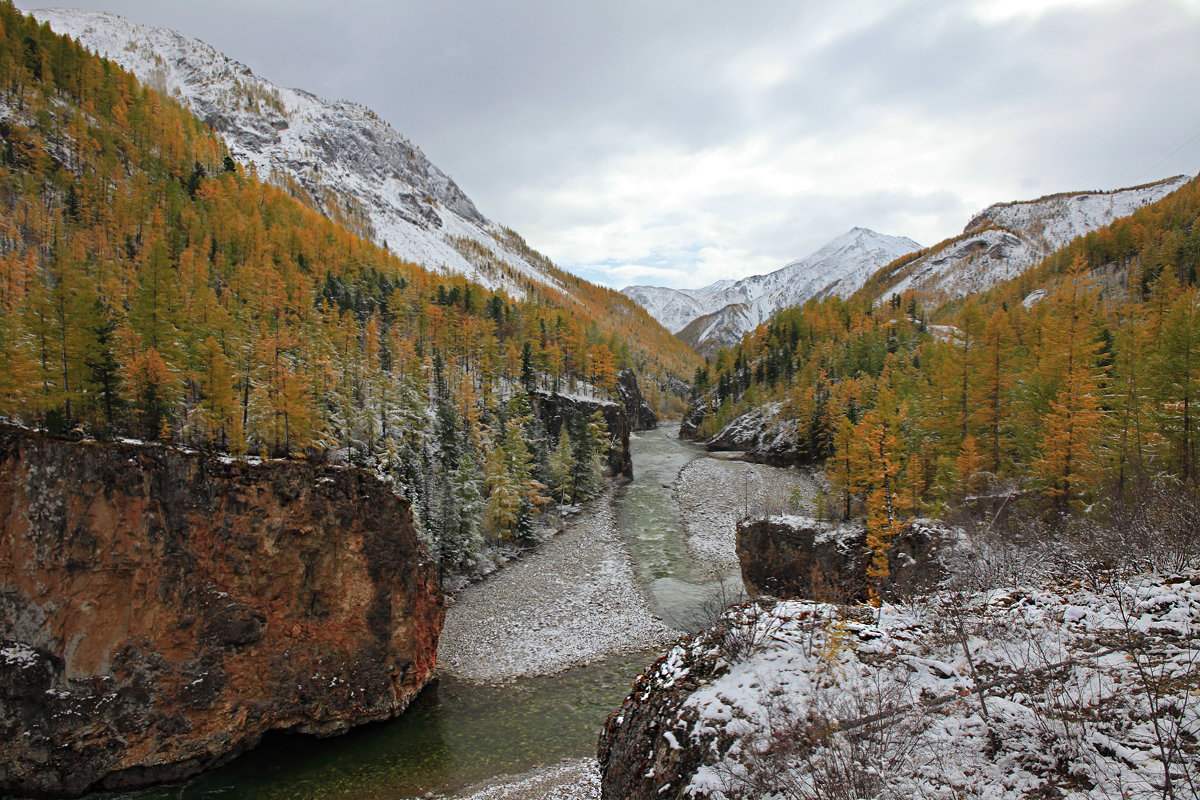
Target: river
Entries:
(461, 732)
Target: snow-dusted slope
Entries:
(344, 156)
(720, 313)
(673, 308)
(1009, 238)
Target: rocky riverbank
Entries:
(577, 598)
(572, 601)
(714, 493)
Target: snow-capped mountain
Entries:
(355, 166)
(718, 314)
(1008, 238)
(673, 308)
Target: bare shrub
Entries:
(745, 630)
(1157, 529)
(807, 756)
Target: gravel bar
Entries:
(572, 601)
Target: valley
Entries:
(533, 658)
(316, 482)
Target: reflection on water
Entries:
(457, 732)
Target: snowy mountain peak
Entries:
(721, 312)
(354, 166)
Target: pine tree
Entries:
(878, 464)
(462, 539)
(991, 397)
(1176, 380)
(969, 466)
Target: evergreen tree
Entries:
(562, 464)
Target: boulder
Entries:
(161, 610)
(764, 435)
(794, 557)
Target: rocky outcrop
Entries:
(553, 409)
(790, 557)
(800, 557)
(644, 751)
(764, 435)
(693, 418)
(161, 610)
(641, 415)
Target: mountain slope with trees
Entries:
(1072, 383)
(1006, 239)
(340, 157)
(152, 287)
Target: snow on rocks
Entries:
(1053, 691)
(572, 601)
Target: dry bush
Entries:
(806, 756)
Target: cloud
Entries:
(686, 141)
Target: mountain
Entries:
(153, 288)
(338, 156)
(717, 315)
(673, 308)
(1008, 238)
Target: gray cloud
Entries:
(679, 142)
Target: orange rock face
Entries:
(160, 610)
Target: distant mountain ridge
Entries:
(718, 314)
(999, 243)
(351, 164)
(1006, 239)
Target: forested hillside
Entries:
(152, 287)
(1073, 383)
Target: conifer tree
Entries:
(562, 464)
(1067, 461)
(991, 397)
(1177, 381)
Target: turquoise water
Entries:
(458, 733)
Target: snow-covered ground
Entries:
(572, 601)
(1053, 691)
(714, 493)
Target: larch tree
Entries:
(1067, 461)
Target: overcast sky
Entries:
(675, 142)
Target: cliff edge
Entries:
(161, 610)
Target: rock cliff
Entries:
(554, 408)
(161, 610)
(789, 557)
(641, 416)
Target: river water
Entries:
(458, 733)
